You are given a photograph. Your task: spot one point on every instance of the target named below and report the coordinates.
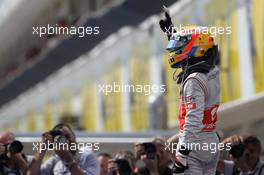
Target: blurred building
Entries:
(130, 51)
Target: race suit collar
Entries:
(200, 68)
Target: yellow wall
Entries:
(112, 101)
(139, 75)
(31, 123)
(48, 114)
(172, 92)
(88, 113)
(258, 37)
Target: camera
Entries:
(58, 137)
(55, 133)
(237, 150)
(146, 148)
(14, 148)
(149, 150)
(123, 167)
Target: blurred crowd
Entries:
(148, 158)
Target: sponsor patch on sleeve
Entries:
(190, 103)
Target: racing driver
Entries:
(192, 49)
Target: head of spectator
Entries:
(245, 156)
(119, 167)
(103, 159)
(153, 157)
(12, 160)
(129, 156)
(6, 137)
(66, 131)
(68, 136)
(252, 151)
(164, 155)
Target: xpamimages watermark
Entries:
(130, 88)
(63, 146)
(80, 31)
(213, 30)
(212, 147)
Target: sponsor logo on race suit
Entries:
(209, 118)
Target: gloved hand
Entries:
(180, 164)
(166, 24)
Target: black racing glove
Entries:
(166, 24)
(180, 164)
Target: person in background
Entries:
(65, 161)
(103, 159)
(129, 156)
(154, 158)
(164, 157)
(12, 163)
(244, 157)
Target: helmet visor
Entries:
(178, 42)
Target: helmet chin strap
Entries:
(186, 67)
